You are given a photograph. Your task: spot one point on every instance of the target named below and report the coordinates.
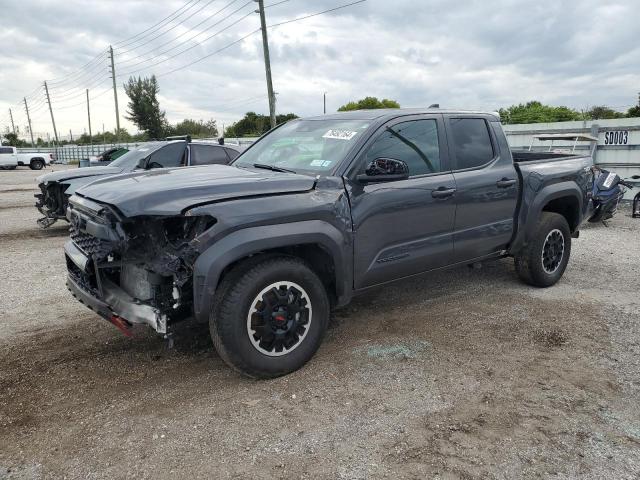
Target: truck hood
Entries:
(171, 191)
(63, 175)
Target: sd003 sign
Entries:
(617, 137)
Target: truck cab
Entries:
(8, 157)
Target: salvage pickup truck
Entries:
(313, 213)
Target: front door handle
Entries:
(443, 192)
(506, 183)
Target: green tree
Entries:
(634, 111)
(369, 103)
(254, 124)
(603, 112)
(195, 128)
(144, 108)
(13, 140)
(536, 112)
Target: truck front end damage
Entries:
(132, 270)
(51, 202)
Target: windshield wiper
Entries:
(273, 168)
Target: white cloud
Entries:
(467, 54)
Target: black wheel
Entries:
(545, 259)
(269, 316)
(36, 164)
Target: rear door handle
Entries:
(443, 192)
(506, 183)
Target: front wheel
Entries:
(545, 258)
(269, 317)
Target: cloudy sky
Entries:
(465, 54)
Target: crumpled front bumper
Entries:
(52, 203)
(106, 298)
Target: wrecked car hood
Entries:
(63, 175)
(170, 191)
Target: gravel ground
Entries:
(463, 374)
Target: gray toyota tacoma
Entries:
(317, 211)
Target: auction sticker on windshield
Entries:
(340, 134)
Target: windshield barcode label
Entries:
(340, 134)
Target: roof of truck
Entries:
(394, 112)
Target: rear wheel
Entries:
(543, 262)
(269, 316)
(36, 164)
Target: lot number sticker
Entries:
(340, 134)
(617, 137)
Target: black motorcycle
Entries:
(608, 190)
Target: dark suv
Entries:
(57, 187)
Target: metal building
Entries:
(617, 147)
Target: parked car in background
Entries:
(57, 187)
(10, 158)
(108, 156)
(316, 211)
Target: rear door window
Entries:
(471, 142)
(172, 155)
(6, 150)
(208, 154)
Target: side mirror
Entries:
(384, 170)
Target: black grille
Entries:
(85, 242)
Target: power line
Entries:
(250, 34)
(94, 80)
(210, 54)
(161, 28)
(84, 102)
(65, 78)
(189, 48)
(123, 43)
(316, 14)
(188, 31)
(172, 28)
(276, 3)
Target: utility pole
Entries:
(70, 136)
(115, 93)
(324, 103)
(89, 118)
(13, 127)
(26, 108)
(53, 121)
(267, 63)
(104, 138)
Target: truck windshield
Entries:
(306, 146)
(130, 160)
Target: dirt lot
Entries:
(464, 374)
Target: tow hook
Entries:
(122, 325)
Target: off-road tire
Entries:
(36, 164)
(232, 303)
(529, 262)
